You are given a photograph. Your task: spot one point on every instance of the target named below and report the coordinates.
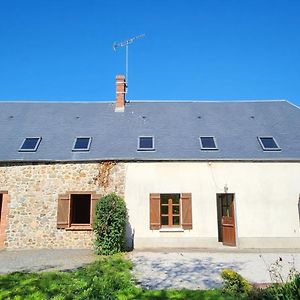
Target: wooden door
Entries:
(226, 219)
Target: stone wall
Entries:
(33, 191)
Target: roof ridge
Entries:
(147, 101)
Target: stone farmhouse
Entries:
(193, 174)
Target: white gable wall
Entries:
(266, 202)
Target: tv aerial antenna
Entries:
(126, 44)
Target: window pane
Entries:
(268, 142)
(30, 143)
(164, 210)
(208, 142)
(82, 143)
(146, 142)
(164, 198)
(81, 209)
(176, 220)
(175, 199)
(164, 220)
(176, 210)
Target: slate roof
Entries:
(176, 127)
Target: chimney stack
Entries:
(120, 93)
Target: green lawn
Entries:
(108, 278)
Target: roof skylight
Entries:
(30, 144)
(268, 143)
(208, 143)
(146, 143)
(82, 143)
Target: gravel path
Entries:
(200, 270)
(44, 260)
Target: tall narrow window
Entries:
(82, 144)
(170, 209)
(30, 144)
(146, 143)
(1, 196)
(80, 208)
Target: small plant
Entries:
(234, 284)
(109, 224)
(283, 286)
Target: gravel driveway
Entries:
(44, 260)
(201, 270)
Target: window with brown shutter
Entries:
(171, 210)
(76, 210)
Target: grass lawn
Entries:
(108, 278)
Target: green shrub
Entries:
(109, 224)
(234, 284)
(286, 291)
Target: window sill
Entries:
(170, 229)
(81, 227)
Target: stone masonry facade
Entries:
(33, 191)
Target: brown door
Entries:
(226, 219)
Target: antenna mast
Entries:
(126, 43)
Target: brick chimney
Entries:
(120, 93)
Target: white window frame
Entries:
(82, 149)
(32, 149)
(208, 136)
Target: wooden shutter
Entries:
(186, 200)
(63, 211)
(94, 199)
(154, 211)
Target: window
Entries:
(82, 144)
(170, 210)
(0, 206)
(146, 143)
(80, 209)
(268, 143)
(208, 143)
(75, 210)
(30, 144)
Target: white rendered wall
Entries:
(266, 201)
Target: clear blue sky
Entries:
(201, 49)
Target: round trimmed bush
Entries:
(109, 224)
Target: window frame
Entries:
(265, 148)
(145, 149)
(82, 149)
(71, 212)
(69, 226)
(208, 148)
(170, 214)
(32, 149)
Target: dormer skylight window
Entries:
(82, 143)
(146, 143)
(30, 144)
(208, 143)
(268, 143)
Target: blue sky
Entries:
(201, 49)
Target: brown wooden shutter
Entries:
(95, 198)
(186, 200)
(154, 211)
(63, 211)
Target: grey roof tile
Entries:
(176, 127)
